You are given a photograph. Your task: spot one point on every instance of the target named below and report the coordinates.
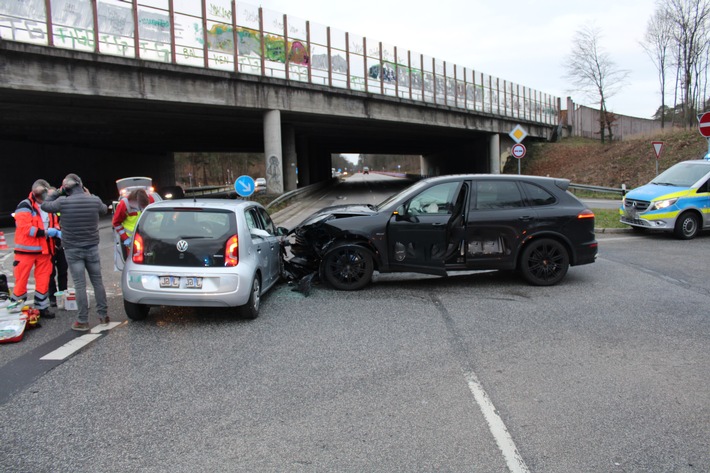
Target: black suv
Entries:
(449, 223)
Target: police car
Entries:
(677, 200)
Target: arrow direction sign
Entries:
(244, 185)
(657, 148)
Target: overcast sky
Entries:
(523, 41)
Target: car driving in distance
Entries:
(677, 200)
(449, 223)
(259, 185)
(201, 253)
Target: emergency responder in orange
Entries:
(34, 247)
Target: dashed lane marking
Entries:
(78, 343)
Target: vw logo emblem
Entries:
(181, 246)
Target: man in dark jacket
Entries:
(80, 212)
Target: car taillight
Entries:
(138, 249)
(231, 251)
(586, 214)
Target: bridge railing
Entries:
(238, 37)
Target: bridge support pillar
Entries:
(290, 158)
(273, 152)
(303, 158)
(494, 153)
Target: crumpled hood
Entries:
(650, 192)
(352, 210)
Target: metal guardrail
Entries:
(208, 190)
(613, 190)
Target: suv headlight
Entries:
(662, 204)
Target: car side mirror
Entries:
(281, 231)
(258, 232)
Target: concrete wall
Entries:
(579, 120)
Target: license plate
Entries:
(191, 282)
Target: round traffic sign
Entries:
(244, 185)
(518, 150)
(704, 125)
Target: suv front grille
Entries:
(638, 205)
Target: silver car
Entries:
(201, 253)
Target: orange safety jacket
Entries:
(125, 218)
(30, 234)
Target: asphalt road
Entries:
(607, 371)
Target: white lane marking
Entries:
(71, 347)
(105, 327)
(515, 462)
(80, 342)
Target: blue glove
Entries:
(53, 232)
(127, 242)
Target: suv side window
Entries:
(438, 199)
(497, 194)
(538, 196)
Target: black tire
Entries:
(250, 310)
(544, 262)
(136, 311)
(348, 267)
(687, 226)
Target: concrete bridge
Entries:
(112, 90)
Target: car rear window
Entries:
(205, 233)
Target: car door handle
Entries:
(525, 218)
(437, 224)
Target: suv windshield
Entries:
(682, 174)
(204, 232)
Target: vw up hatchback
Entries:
(201, 253)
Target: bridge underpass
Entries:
(106, 118)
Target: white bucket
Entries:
(59, 296)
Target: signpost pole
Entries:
(518, 134)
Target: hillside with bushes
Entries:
(631, 162)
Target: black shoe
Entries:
(46, 314)
(53, 302)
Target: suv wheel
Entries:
(135, 311)
(544, 262)
(687, 226)
(348, 267)
(250, 310)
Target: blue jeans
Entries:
(80, 262)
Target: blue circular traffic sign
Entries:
(244, 185)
